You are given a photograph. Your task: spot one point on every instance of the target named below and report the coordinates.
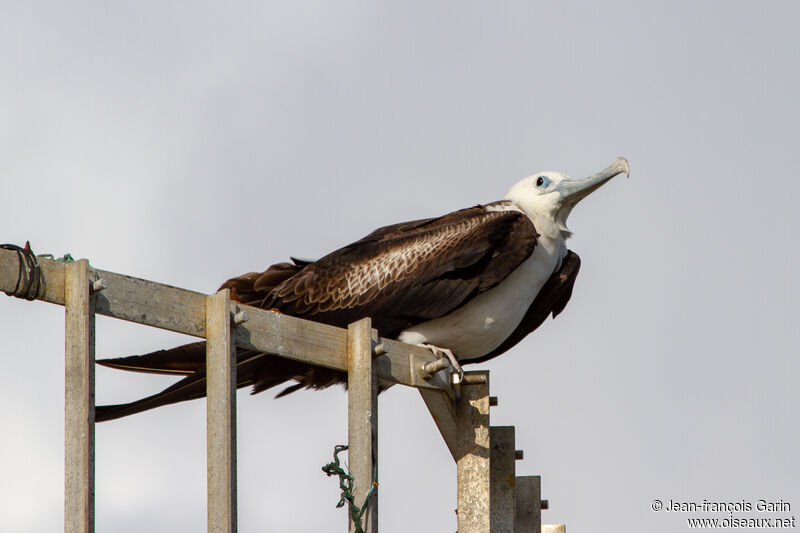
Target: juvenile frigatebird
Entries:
(470, 284)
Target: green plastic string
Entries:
(346, 485)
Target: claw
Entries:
(439, 352)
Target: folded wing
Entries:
(399, 275)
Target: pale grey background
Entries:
(190, 142)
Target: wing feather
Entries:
(400, 275)
(251, 288)
(409, 272)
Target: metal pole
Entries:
(221, 414)
(529, 505)
(441, 407)
(503, 504)
(472, 415)
(79, 400)
(362, 397)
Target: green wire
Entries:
(346, 485)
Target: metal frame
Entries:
(490, 495)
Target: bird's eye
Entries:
(541, 180)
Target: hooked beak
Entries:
(573, 191)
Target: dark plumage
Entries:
(400, 275)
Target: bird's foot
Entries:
(439, 352)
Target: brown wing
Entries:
(552, 299)
(253, 287)
(407, 273)
(400, 275)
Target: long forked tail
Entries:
(188, 360)
(189, 388)
(182, 360)
(261, 370)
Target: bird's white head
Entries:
(552, 195)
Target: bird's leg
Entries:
(439, 352)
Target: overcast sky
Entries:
(187, 143)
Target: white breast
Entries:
(488, 319)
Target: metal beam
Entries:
(153, 304)
(79, 400)
(464, 424)
(472, 420)
(442, 409)
(529, 505)
(362, 398)
(174, 309)
(503, 479)
(52, 289)
(221, 415)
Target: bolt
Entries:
(380, 349)
(240, 317)
(98, 285)
(432, 367)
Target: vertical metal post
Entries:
(221, 414)
(472, 415)
(529, 505)
(362, 398)
(503, 479)
(79, 400)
